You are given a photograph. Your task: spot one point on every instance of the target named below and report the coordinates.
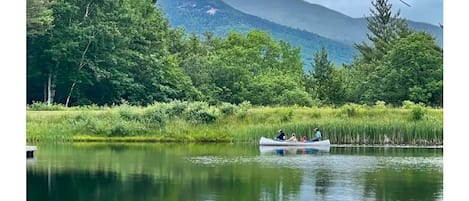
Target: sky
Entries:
(429, 11)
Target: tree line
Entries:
(105, 52)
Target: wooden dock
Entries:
(30, 151)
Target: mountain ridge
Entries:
(319, 19)
(198, 16)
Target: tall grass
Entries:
(198, 121)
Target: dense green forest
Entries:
(104, 52)
(199, 16)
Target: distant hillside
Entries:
(318, 19)
(199, 16)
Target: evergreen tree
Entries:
(384, 29)
(326, 80)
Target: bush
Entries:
(287, 117)
(40, 106)
(177, 108)
(228, 108)
(350, 110)
(407, 104)
(296, 97)
(380, 104)
(119, 130)
(245, 106)
(156, 116)
(128, 114)
(419, 112)
(200, 112)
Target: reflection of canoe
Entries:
(293, 149)
(30, 161)
(271, 142)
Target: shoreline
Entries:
(200, 122)
(161, 141)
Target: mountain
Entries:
(318, 19)
(198, 16)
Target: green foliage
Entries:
(414, 70)
(245, 105)
(127, 113)
(177, 108)
(201, 122)
(419, 112)
(155, 116)
(39, 17)
(201, 113)
(221, 23)
(39, 106)
(385, 28)
(380, 104)
(407, 104)
(110, 53)
(286, 117)
(350, 110)
(103, 52)
(325, 82)
(228, 108)
(400, 65)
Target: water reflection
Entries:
(291, 150)
(231, 172)
(30, 161)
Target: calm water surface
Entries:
(131, 172)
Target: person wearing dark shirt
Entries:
(281, 135)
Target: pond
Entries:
(167, 171)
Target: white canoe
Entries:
(293, 150)
(271, 142)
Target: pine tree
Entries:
(322, 75)
(384, 29)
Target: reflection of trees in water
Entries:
(153, 172)
(231, 183)
(323, 181)
(163, 172)
(404, 184)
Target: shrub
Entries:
(407, 104)
(350, 110)
(245, 106)
(380, 104)
(419, 112)
(156, 116)
(177, 108)
(287, 117)
(40, 106)
(119, 130)
(129, 114)
(228, 108)
(200, 112)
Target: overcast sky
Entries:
(430, 11)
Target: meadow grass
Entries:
(199, 122)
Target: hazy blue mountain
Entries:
(199, 16)
(318, 19)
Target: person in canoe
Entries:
(292, 138)
(281, 135)
(317, 135)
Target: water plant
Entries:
(199, 121)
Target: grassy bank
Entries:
(197, 121)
